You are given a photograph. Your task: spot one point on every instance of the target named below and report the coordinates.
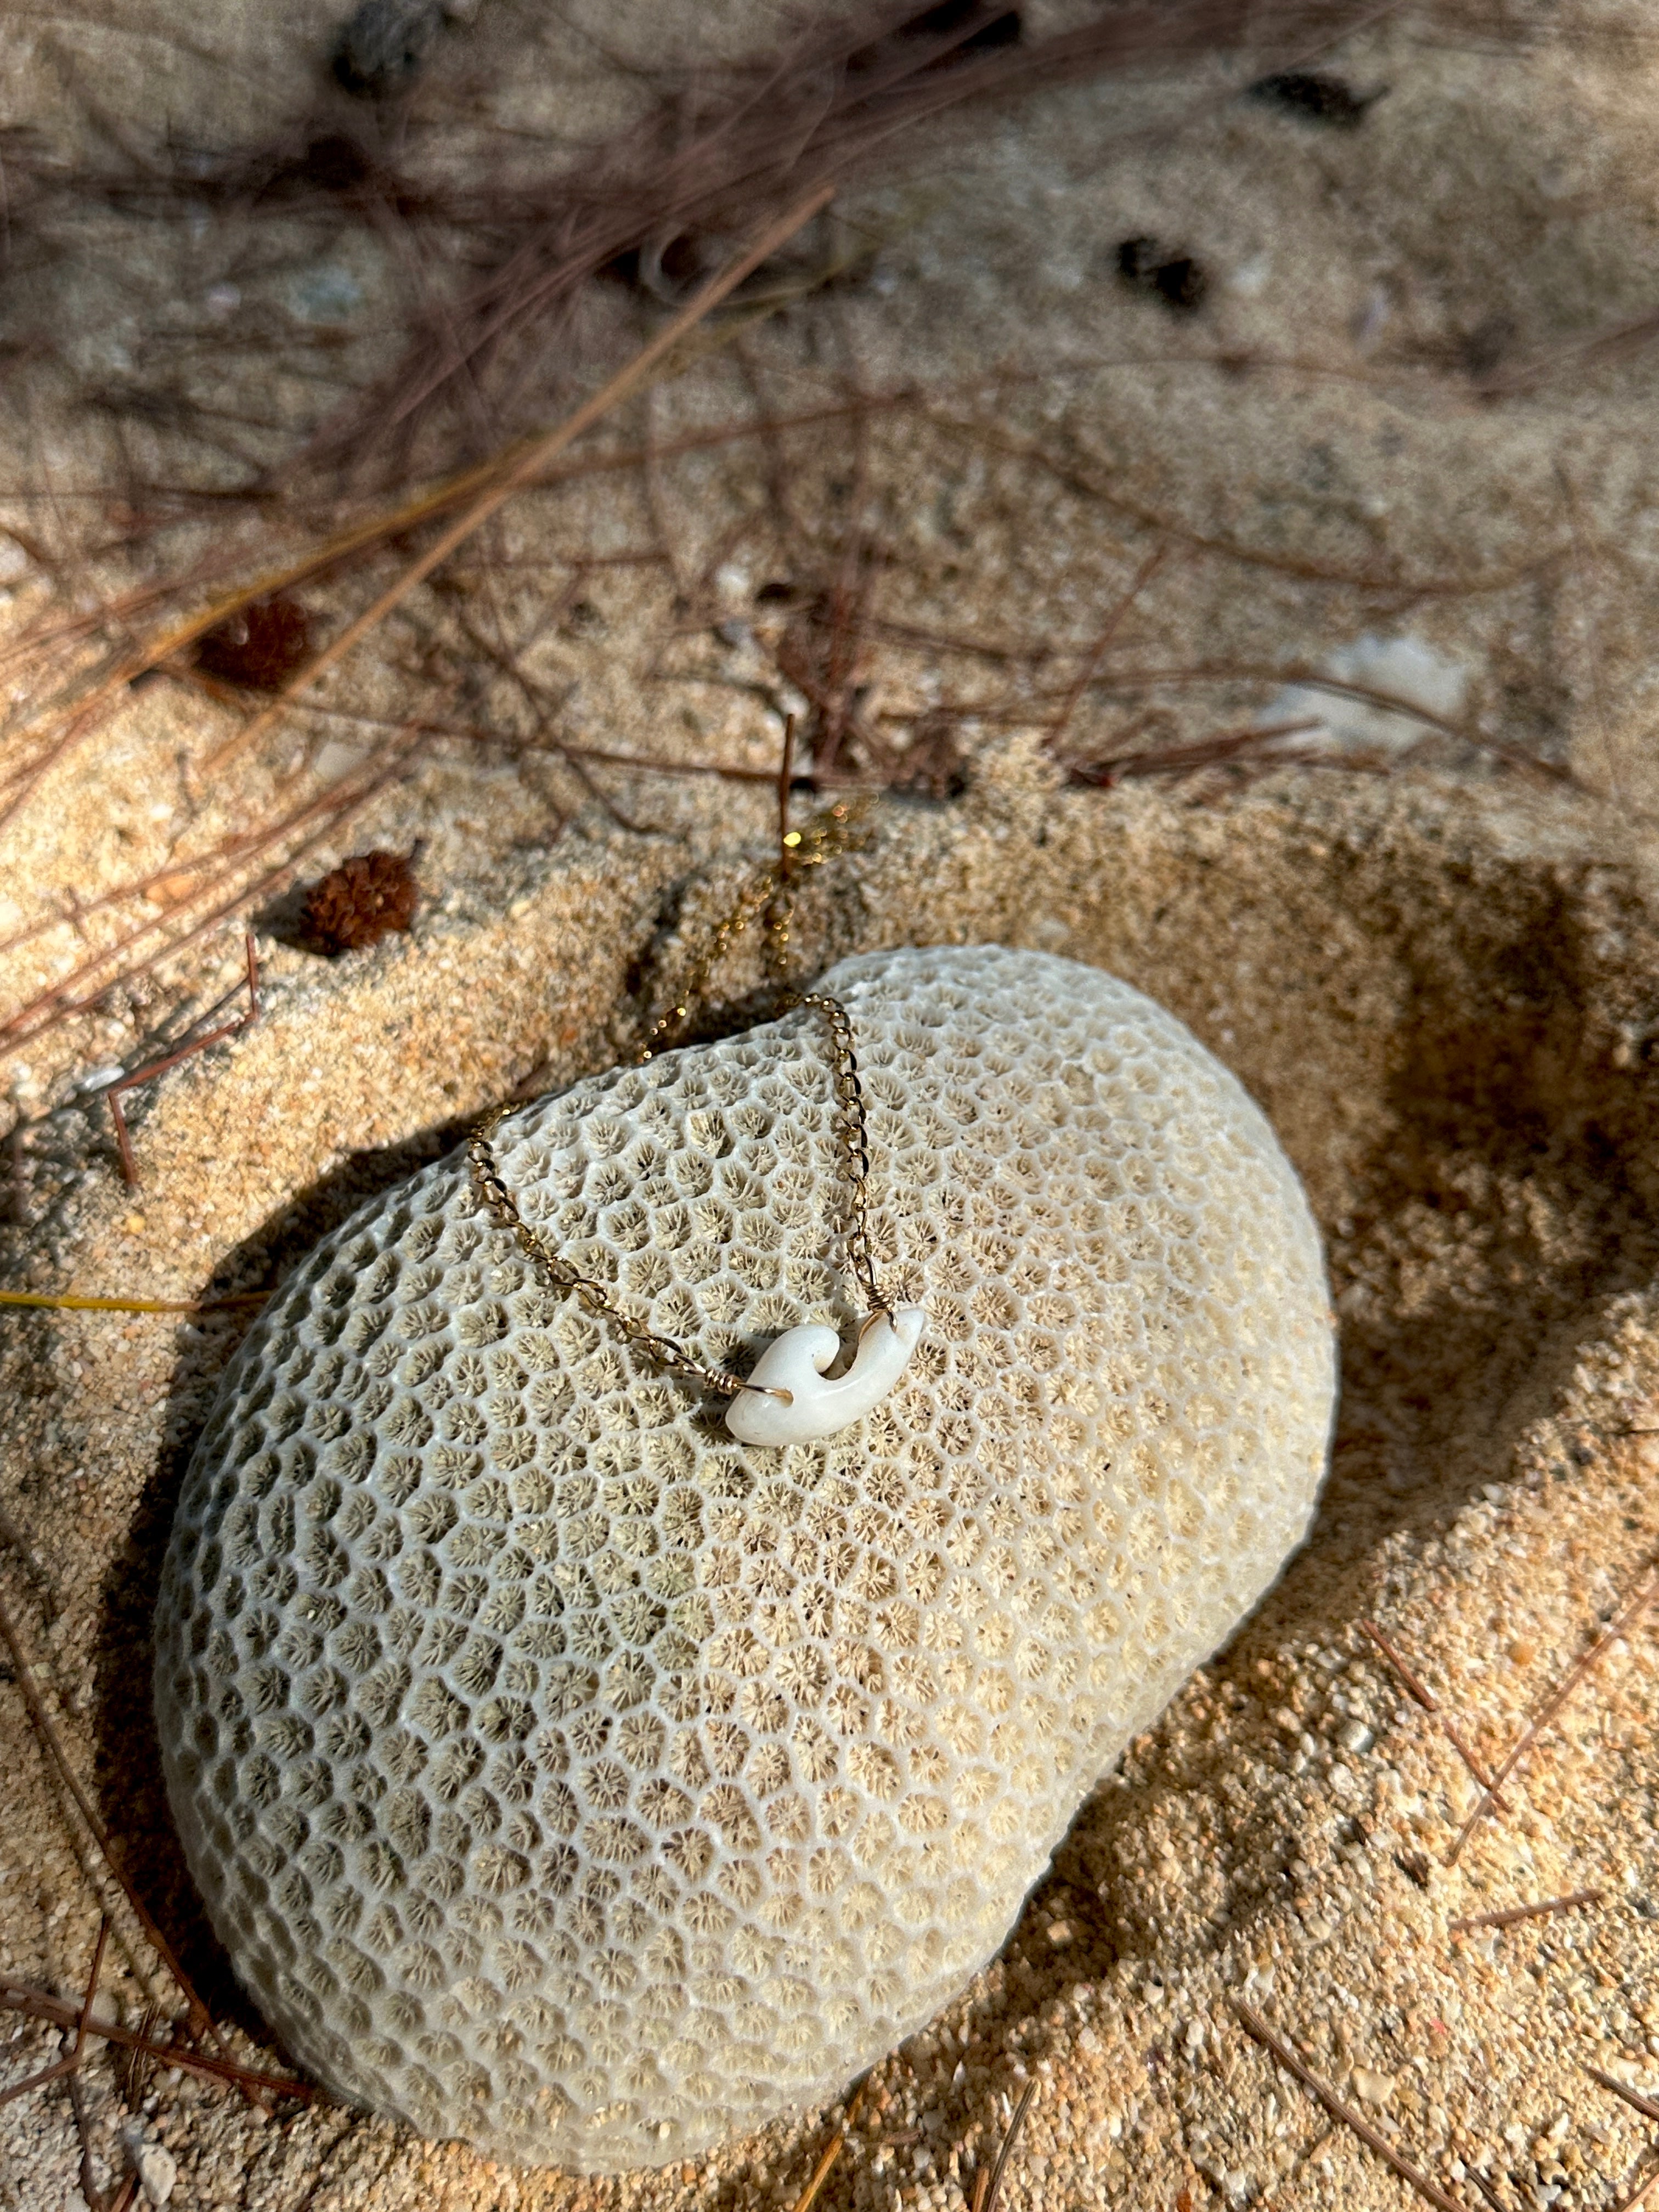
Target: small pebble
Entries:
(1314, 98)
(158, 2170)
(1376, 2088)
(1175, 278)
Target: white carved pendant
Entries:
(807, 1403)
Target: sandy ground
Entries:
(1438, 979)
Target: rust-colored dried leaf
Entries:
(364, 899)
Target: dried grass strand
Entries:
(152, 1068)
(1276, 2046)
(1074, 477)
(826, 104)
(200, 2021)
(69, 2064)
(519, 466)
(74, 1302)
(1415, 1688)
(1582, 1667)
(1640, 2195)
(987, 2201)
(1091, 662)
(1510, 1915)
(41, 2004)
(1648, 2106)
(1432, 1705)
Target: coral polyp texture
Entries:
(562, 1773)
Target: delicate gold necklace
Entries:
(789, 1398)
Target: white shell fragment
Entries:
(562, 1772)
(797, 1365)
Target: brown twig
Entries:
(1648, 2106)
(1612, 345)
(1415, 1688)
(833, 2149)
(1511, 1914)
(820, 2174)
(96, 2200)
(1097, 652)
(1581, 568)
(1584, 1665)
(1477, 1767)
(41, 2004)
(985, 2197)
(522, 463)
(1629, 2204)
(1067, 470)
(1485, 2187)
(154, 1067)
(1254, 2025)
(70, 2064)
(1219, 749)
(200, 2021)
(1432, 1705)
(668, 767)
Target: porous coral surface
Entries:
(564, 1775)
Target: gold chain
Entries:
(772, 894)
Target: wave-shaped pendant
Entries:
(791, 1399)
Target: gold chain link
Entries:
(825, 837)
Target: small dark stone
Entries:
(1414, 1866)
(942, 22)
(334, 163)
(369, 896)
(1487, 342)
(381, 45)
(1175, 278)
(259, 648)
(1181, 283)
(1314, 98)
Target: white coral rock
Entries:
(562, 1773)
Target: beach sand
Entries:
(1432, 966)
